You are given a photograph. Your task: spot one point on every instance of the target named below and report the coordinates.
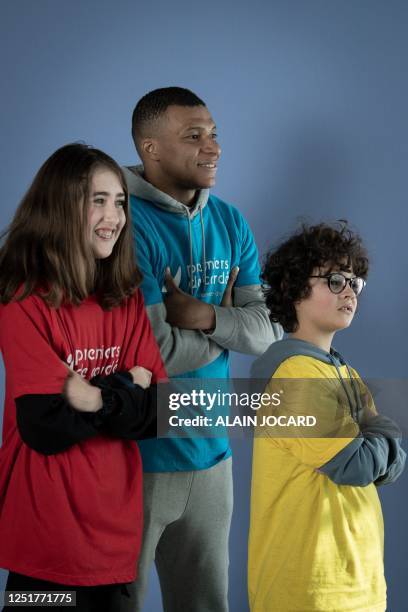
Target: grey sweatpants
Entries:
(187, 517)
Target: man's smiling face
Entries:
(187, 148)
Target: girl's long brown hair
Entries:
(46, 250)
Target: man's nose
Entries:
(212, 146)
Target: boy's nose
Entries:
(348, 291)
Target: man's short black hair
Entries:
(155, 103)
(287, 269)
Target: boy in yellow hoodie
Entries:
(316, 532)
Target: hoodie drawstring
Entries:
(356, 405)
(203, 259)
(190, 239)
(356, 393)
(141, 188)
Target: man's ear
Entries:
(150, 148)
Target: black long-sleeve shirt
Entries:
(49, 424)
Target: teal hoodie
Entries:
(200, 245)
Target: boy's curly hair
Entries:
(287, 269)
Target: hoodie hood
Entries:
(266, 365)
(144, 190)
(140, 188)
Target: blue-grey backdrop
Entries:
(310, 98)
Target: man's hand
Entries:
(141, 376)
(184, 310)
(227, 297)
(81, 395)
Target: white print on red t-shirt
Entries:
(80, 359)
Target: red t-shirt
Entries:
(74, 517)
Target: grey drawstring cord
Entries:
(355, 392)
(354, 406)
(204, 259)
(190, 238)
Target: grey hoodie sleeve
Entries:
(182, 350)
(245, 327)
(375, 456)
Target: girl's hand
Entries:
(141, 376)
(81, 395)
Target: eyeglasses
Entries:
(337, 282)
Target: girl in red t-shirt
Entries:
(79, 357)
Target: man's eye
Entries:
(214, 136)
(194, 136)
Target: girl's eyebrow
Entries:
(106, 193)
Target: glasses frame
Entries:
(346, 280)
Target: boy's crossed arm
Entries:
(347, 451)
(375, 455)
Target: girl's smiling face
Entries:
(106, 211)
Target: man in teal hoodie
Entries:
(195, 252)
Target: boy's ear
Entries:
(150, 148)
